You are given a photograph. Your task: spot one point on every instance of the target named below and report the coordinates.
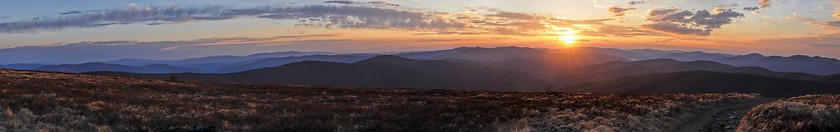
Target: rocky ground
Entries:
(726, 121)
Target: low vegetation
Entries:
(804, 113)
(74, 102)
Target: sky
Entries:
(64, 31)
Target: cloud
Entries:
(635, 2)
(796, 17)
(384, 3)
(80, 12)
(479, 21)
(718, 10)
(134, 14)
(668, 15)
(512, 15)
(724, 7)
(641, 2)
(620, 31)
(363, 16)
(676, 28)
(837, 14)
(345, 16)
(367, 17)
(618, 11)
(699, 23)
(828, 24)
(70, 12)
(380, 3)
(346, 2)
(713, 21)
(764, 4)
(750, 8)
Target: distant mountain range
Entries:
(381, 71)
(460, 74)
(96, 66)
(213, 59)
(601, 70)
(22, 66)
(619, 69)
(797, 63)
(212, 63)
(273, 62)
(500, 57)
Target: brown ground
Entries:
(34, 101)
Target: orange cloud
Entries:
(618, 11)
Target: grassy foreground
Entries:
(74, 102)
(816, 113)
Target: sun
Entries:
(569, 37)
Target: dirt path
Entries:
(722, 118)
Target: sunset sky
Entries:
(94, 30)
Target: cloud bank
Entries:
(678, 21)
(346, 16)
(132, 15)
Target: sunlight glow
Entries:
(569, 37)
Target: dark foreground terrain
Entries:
(34, 101)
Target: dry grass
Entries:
(804, 113)
(73, 102)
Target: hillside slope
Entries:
(706, 82)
